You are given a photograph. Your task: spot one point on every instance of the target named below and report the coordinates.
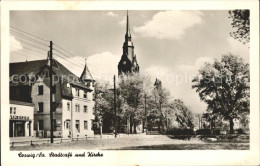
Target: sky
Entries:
(169, 45)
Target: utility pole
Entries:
(51, 89)
(115, 106)
(145, 114)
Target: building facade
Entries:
(128, 63)
(72, 98)
(21, 119)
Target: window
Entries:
(85, 94)
(40, 105)
(68, 106)
(92, 124)
(67, 124)
(85, 108)
(11, 109)
(77, 91)
(40, 123)
(14, 110)
(85, 125)
(46, 74)
(77, 126)
(40, 90)
(77, 108)
(54, 89)
(68, 86)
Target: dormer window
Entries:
(46, 74)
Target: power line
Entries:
(34, 46)
(77, 68)
(72, 56)
(68, 60)
(24, 54)
(27, 38)
(30, 34)
(30, 49)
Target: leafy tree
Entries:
(224, 86)
(132, 90)
(241, 22)
(183, 116)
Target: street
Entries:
(139, 142)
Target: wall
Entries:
(82, 116)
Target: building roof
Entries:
(21, 103)
(35, 67)
(86, 75)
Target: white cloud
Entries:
(111, 14)
(178, 81)
(169, 24)
(15, 45)
(101, 65)
(193, 69)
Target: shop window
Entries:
(85, 125)
(40, 123)
(40, 105)
(68, 106)
(77, 125)
(40, 90)
(85, 108)
(85, 94)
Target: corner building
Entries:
(72, 97)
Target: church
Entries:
(128, 63)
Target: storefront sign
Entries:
(15, 117)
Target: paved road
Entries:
(135, 142)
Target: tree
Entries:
(104, 104)
(132, 90)
(241, 22)
(183, 116)
(224, 86)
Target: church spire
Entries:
(127, 24)
(128, 34)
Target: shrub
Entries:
(240, 131)
(203, 132)
(180, 132)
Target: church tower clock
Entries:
(128, 63)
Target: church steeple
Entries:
(128, 62)
(127, 34)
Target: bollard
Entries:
(31, 143)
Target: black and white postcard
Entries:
(130, 83)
